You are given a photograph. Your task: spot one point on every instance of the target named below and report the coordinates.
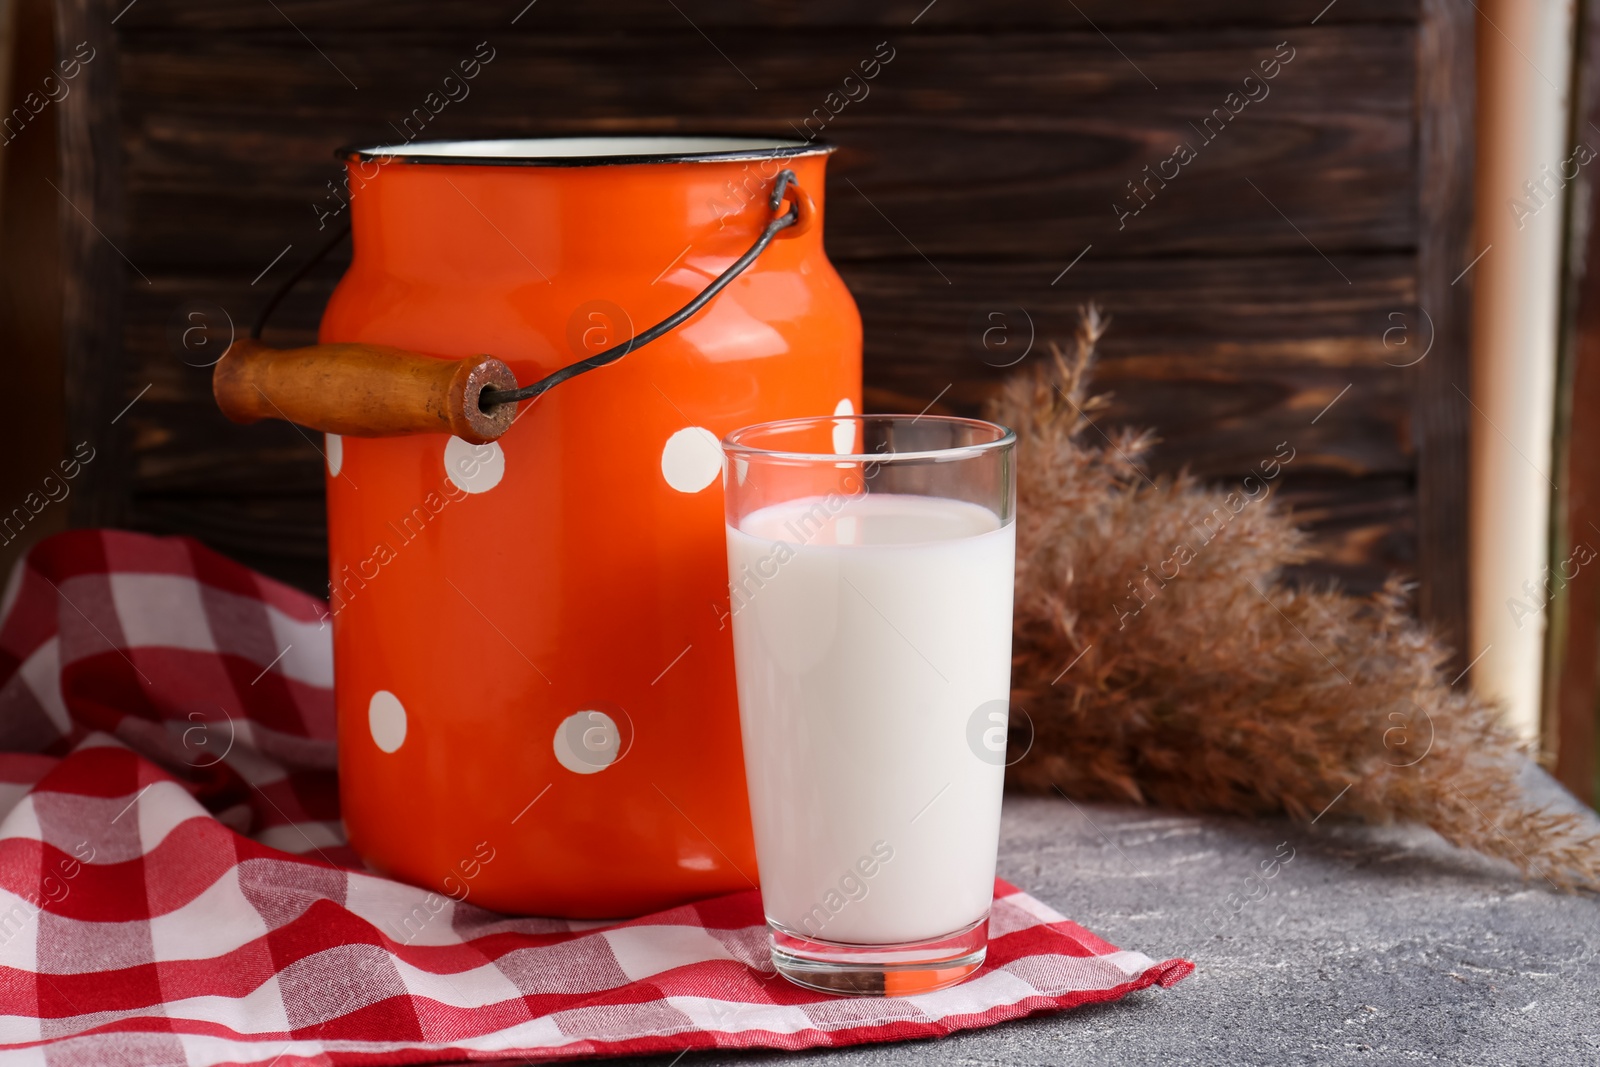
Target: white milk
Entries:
(869, 633)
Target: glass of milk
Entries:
(870, 564)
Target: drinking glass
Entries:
(870, 562)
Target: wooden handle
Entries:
(363, 390)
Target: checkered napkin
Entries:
(175, 886)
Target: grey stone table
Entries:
(1374, 946)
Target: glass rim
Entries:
(733, 446)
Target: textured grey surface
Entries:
(1372, 946)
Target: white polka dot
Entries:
(587, 742)
(692, 459)
(475, 468)
(335, 452)
(386, 717)
(844, 431)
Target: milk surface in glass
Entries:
(872, 635)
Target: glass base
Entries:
(896, 970)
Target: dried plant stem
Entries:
(1199, 680)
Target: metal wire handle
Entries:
(783, 185)
(492, 398)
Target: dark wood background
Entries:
(1301, 261)
(1570, 730)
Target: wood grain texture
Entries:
(772, 15)
(1261, 345)
(1441, 411)
(94, 272)
(282, 535)
(1570, 731)
(1254, 292)
(1014, 145)
(1226, 357)
(362, 390)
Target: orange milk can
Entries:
(533, 665)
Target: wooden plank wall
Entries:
(1570, 730)
(1266, 291)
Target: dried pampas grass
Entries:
(1162, 661)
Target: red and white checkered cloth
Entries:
(169, 834)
